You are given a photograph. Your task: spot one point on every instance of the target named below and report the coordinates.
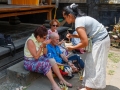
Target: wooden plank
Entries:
(49, 15)
(49, 2)
(25, 13)
(13, 10)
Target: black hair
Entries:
(74, 10)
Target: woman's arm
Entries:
(44, 46)
(32, 48)
(66, 59)
(83, 37)
(62, 41)
(45, 50)
(72, 36)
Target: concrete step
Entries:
(17, 74)
(2, 76)
(43, 83)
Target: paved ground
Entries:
(112, 81)
(44, 84)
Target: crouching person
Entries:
(60, 58)
(36, 58)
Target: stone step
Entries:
(18, 74)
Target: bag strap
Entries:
(97, 31)
(14, 49)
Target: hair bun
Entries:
(73, 6)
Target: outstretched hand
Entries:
(62, 41)
(70, 48)
(69, 36)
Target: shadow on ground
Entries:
(110, 87)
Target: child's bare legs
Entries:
(50, 77)
(57, 72)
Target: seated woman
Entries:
(36, 58)
(54, 25)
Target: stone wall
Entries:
(109, 15)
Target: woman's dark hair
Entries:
(74, 10)
(40, 31)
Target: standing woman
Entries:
(95, 61)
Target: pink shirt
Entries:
(49, 32)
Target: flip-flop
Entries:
(68, 85)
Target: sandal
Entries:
(67, 84)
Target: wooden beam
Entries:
(23, 13)
(8, 12)
(49, 2)
(49, 15)
(12, 9)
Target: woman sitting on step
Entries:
(36, 58)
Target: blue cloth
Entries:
(54, 52)
(78, 58)
(75, 41)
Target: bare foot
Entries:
(56, 88)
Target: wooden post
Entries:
(49, 2)
(49, 15)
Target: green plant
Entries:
(111, 72)
(114, 57)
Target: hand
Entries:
(70, 48)
(70, 64)
(75, 69)
(62, 41)
(45, 43)
(69, 36)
